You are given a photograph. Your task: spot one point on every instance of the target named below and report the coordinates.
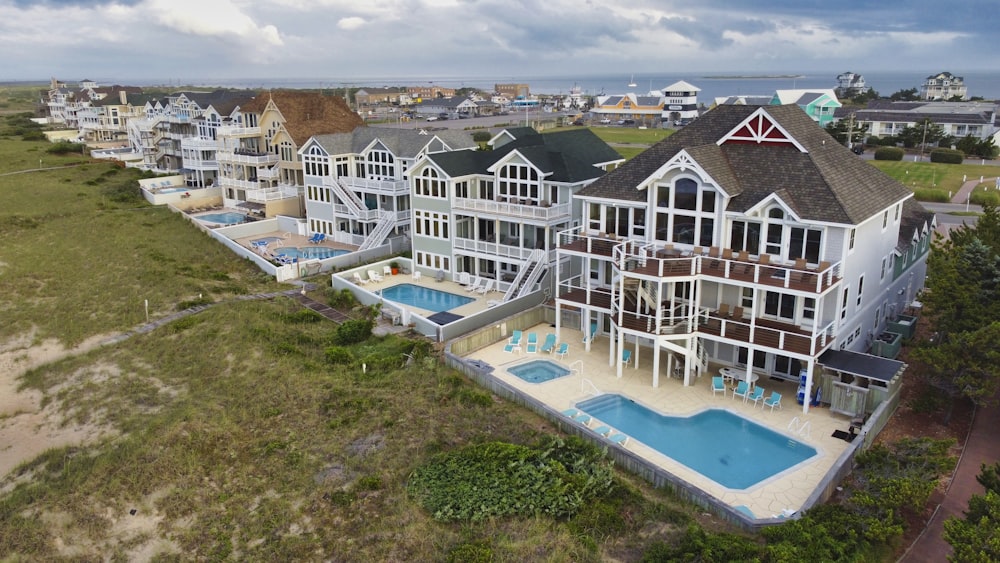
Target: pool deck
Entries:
(481, 302)
(292, 240)
(786, 491)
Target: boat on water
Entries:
(631, 82)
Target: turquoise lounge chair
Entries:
(773, 401)
(620, 439)
(593, 333)
(758, 394)
(532, 343)
(550, 343)
(603, 430)
(742, 390)
(515, 338)
(626, 356)
(718, 385)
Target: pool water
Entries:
(265, 240)
(539, 371)
(173, 190)
(424, 297)
(227, 218)
(310, 252)
(735, 452)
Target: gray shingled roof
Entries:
(568, 156)
(404, 143)
(827, 183)
(913, 217)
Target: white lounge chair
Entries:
(374, 276)
(474, 286)
(486, 287)
(416, 274)
(358, 279)
(386, 271)
(464, 278)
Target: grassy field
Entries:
(237, 433)
(935, 176)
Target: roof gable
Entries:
(759, 128)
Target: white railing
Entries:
(350, 199)
(270, 193)
(236, 131)
(558, 211)
(493, 248)
(199, 164)
(527, 276)
(578, 371)
(268, 173)
(387, 187)
(260, 159)
(381, 231)
(799, 428)
(199, 143)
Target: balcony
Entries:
(382, 187)
(520, 209)
(247, 158)
(199, 144)
(237, 131)
(492, 248)
(200, 164)
(271, 193)
(574, 291)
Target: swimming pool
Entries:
(264, 240)
(310, 252)
(173, 190)
(424, 297)
(539, 371)
(227, 218)
(735, 452)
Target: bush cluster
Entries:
(353, 331)
(65, 147)
(498, 479)
(931, 194)
(889, 153)
(947, 156)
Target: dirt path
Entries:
(28, 429)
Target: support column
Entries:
(656, 364)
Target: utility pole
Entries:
(923, 139)
(850, 129)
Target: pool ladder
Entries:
(587, 385)
(800, 427)
(574, 370)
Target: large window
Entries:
(518, 182)
(316, 163)
(779, 305)
(429, 224)
(745, 236)
(429, 184)
(686, 213)
(804, 243)
(381, 165)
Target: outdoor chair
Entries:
(474, 286)
(358, 279)
(550, 343)
(486, 288)
(562, 350)
(773, 401)
(626, 356)
(757, 395)
(515, 338)
(718, 385)
(374, 276)
(532, 343)
(742, 390)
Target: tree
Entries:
(923, 132)
(977, 536)
(909, 95)
(839, 131)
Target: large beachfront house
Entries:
(494, 214)
(820, 105)
(750, 239)
(356, 190)
(259, 166)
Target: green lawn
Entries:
(631, 135)
(932, 175)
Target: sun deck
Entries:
(595, 373)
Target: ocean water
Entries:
(712, 84)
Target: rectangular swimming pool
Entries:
(226, 218)
(424, 297)
(733, 451)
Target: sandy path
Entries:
(27, 429)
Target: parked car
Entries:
(605, 121)
(858, 149)
(432, 118)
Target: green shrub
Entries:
(342, 299)
(497, 479)
(698, 545)
(338, 355)
(353, 331)
(947, 156)
(470, 553)
(123, 192)
(65, 147)
(32, 136)
(931, 194)
(481, 136)
(982, 198)
(889, 153)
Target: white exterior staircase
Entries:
(387, 222)
(528, 275)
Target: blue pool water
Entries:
(173, 190)
(227, 218)
(265, 240)
(309, 252)
(728, 449)
(424, 297)
(539, 371)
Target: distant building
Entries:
(943, 86)
(373, 96)
(818, 104)
(416, 93)
(958, 119)
(850, 84)
(676, 102)
(680, 101)
(512, 91)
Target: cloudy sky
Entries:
(198, 40)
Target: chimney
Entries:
(123, 96)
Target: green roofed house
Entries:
(818, 104)
(495, 214)
(752, 240)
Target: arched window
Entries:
(428, 183)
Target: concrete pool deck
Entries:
(596, 372)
